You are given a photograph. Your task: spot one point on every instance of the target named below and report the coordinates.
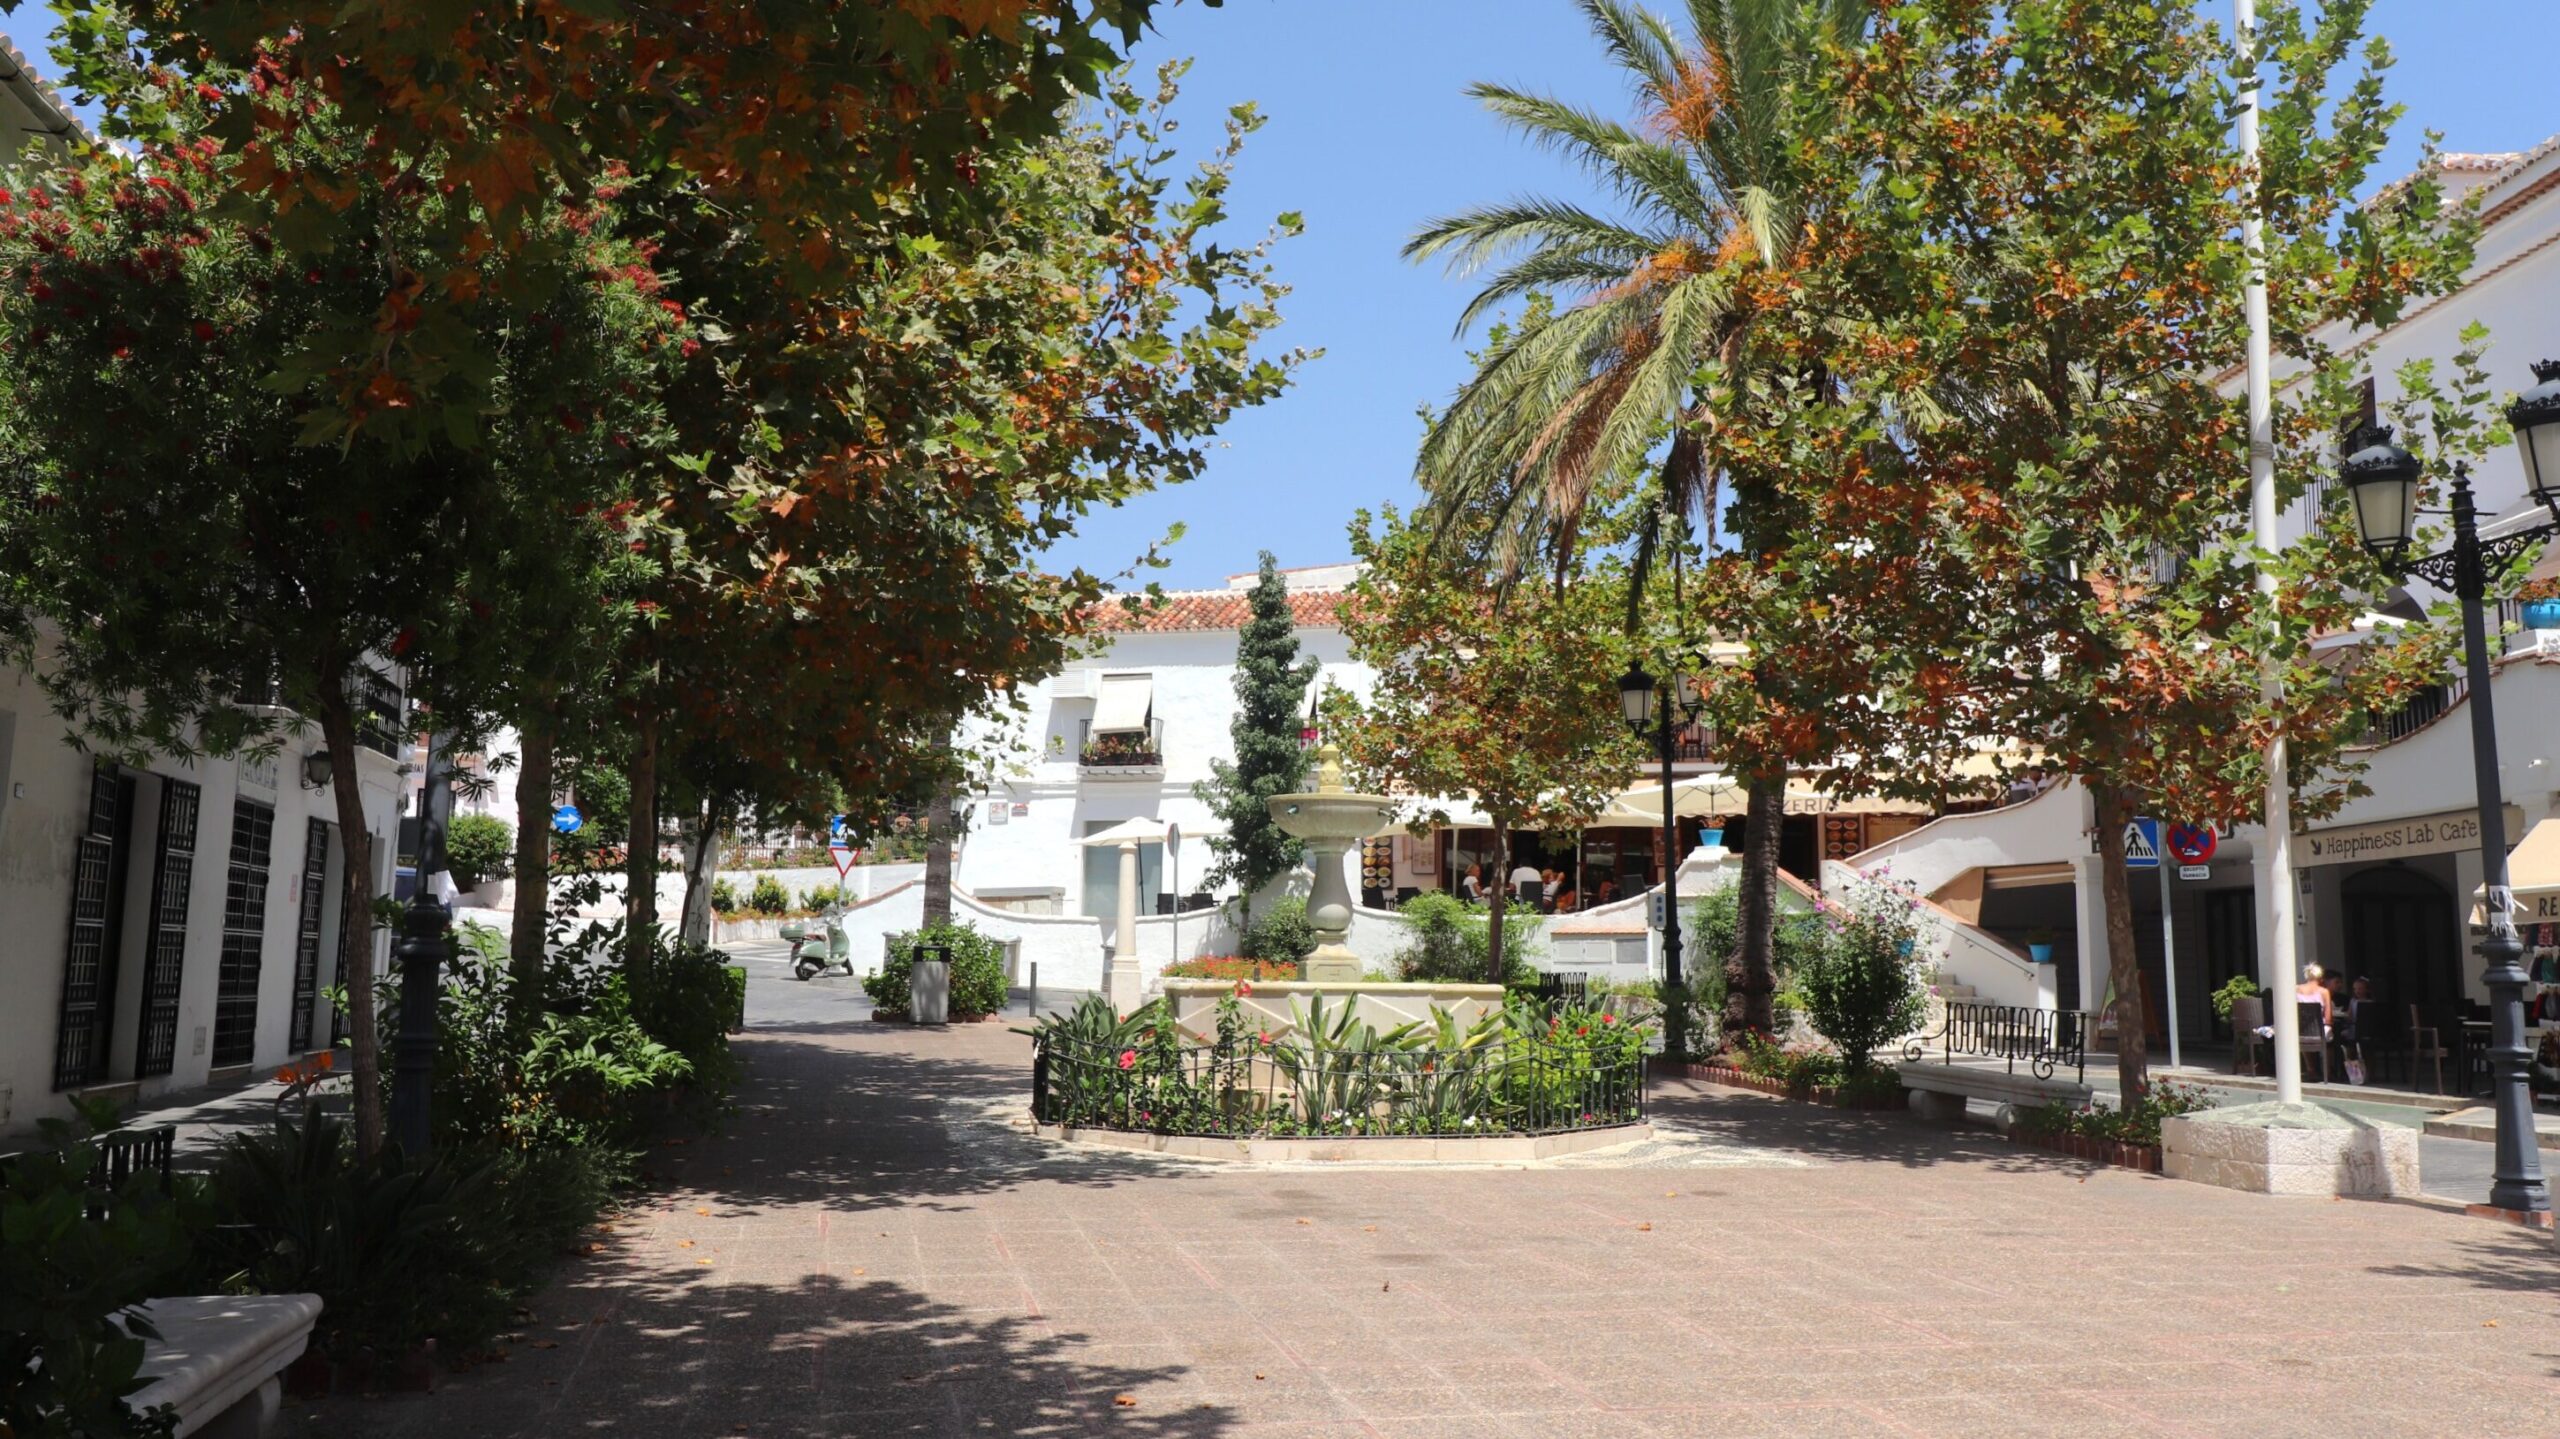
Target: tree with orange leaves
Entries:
(807, 120)
(2034, 521)
(850, 548)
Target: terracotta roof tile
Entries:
(1182, 610)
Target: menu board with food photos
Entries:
(1378, 865)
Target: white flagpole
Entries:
(2275, 866)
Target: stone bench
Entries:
(220, 1358)
(1939, 1091)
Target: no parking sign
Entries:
(2192, 843)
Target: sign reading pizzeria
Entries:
(2448, 833)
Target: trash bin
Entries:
(929, 985)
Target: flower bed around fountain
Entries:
(1518, 1083)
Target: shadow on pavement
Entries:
(1819, 1131)
(623, 1351)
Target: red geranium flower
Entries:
(1128, 1059)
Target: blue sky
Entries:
(1370, 133)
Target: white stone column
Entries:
(1122, 984)
(2090, 911)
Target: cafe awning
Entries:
(2533, 877)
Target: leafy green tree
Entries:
(2028, 279)
(1709, 190)
(170, 531)
(1513, 700)
(850, 558)
(805, 123)
(1271, 691)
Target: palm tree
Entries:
(1705, 181)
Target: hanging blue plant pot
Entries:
(2542, 614)
(1711, 838)
(2040, 953)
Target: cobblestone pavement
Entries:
(877, 1246)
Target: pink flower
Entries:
(1243, 990)
(1128, 1059)
(1266, 1039)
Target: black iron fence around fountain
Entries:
(1277, 1088)
(2045, 1039)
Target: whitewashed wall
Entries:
(1194, 688)
(2051, 827)
(44, 793)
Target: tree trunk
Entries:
(1751, 973)
(2124, 964)
(364, 1039)
(701, 864)
(938, 825)
(528, 938)
(640, 904)
(1497, 898)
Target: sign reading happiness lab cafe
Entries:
(2446, 833)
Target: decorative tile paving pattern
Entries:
(891, 1254)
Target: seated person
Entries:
(2312, 991)
(1568, 902)
(2544, 1074)
(1608, 892)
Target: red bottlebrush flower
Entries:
(312, 276)
(208, 94)
(1128, 1059)
(204, 332)
(124, 352)
(691, 348)
(403, 642)
(38, 289)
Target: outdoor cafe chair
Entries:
(2426, 1042)
(2315, 1036)
(2248, 1016)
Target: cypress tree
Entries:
(1271, 685)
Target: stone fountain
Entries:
(1330, 820)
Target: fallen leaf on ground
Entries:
(862, 1271)
(546, 1344)
(1365, 1228)
(1645, 1228)
(702, 1261)
(1125, 1401)
(704, 1212)
(1306, 1221)
(684, 1244)
(1257, 1376)
(2488, 1323)
(1383, 1288)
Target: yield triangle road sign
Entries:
(2142, 844)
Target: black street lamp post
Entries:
(421, 953)
(2383, 479)
(1647, 706)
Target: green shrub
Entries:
(1449, 938)
(768, 896)
(1861, 987)
(1280, 932)
(1799, 1070)
(822, 895)
(2240, 987)
(2135, 1124)
(478, 847)
(65, 1363)
(688, 998)
(978, 986)
(724, 897)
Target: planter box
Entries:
(2144, 1157)
(1735, 1079)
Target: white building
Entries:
(1125, 734)
(2386, 885)
(170, 924)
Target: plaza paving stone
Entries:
(875, 1245)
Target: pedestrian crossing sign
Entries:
(2142, 844)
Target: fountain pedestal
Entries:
(1330, 820)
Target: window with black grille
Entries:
(244, 925)
(164, 953)
(306, 932)
(97, 929)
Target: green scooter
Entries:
(816, 950)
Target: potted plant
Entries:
(2040, 943)
(2541, 602)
